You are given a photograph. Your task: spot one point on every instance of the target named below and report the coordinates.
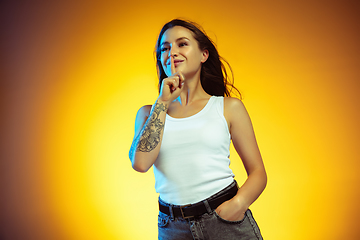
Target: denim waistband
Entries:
(221, 192)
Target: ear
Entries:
(205, 56)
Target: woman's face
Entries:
(180, 43)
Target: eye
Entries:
(164, 49)
(182, 44)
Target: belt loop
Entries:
(208, 208)
(171, 212)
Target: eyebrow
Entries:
(179, 39)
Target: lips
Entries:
(176, 62)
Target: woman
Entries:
(186, 136)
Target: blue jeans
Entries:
(209, 226)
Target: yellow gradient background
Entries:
(74, 74)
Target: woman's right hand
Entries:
(172, 86)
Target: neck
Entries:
(192, 91)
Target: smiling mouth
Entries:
(175, 62)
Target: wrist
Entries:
(241, 203)
(159, 100)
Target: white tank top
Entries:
(193, 162)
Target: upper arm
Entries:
(242, 134)
(141, 117)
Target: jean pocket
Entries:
(163, 220)
(228, 221)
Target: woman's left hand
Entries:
(231, 210)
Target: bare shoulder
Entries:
(143, 114)
(235, 111)
(232, 105)
(236, 115)
(144, 111)
(141, 117)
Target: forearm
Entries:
(146, 146)
(251, 189)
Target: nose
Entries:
(173, 51)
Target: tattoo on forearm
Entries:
(149, 136)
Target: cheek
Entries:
(193, 56)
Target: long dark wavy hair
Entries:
(213, 77)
